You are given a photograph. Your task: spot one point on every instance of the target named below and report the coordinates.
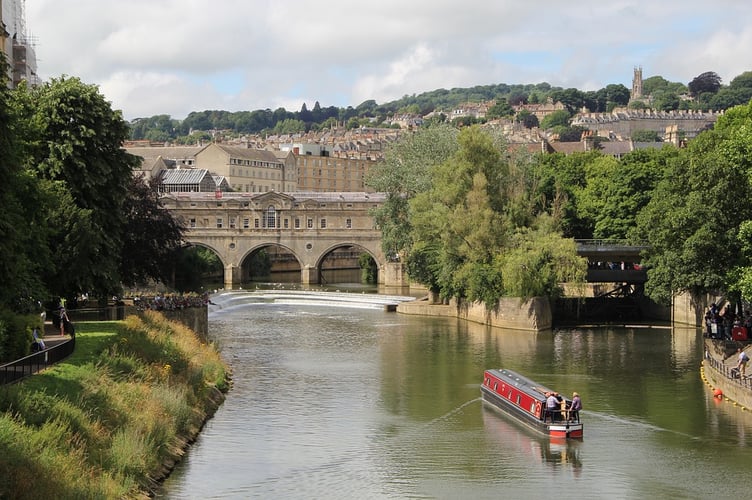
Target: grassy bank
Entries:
(111, 420)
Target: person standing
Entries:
(63, 319)
(575, 407)
(552, 406)
(742, 364)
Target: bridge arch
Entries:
(310, 225)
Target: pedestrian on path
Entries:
(742, 364)
(63, 319)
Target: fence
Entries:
(729, 372)
(36, 362)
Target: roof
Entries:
(248, 153)
(151, 153)
(184, 176)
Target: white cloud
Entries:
(176, 56)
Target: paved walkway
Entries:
(52, 335)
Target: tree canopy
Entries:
(75, 219)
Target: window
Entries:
(232, 222)
(192, 222)
(287, 223)
(323, 223)
(219, 222)
(256, 223)
(246, 223)
(310, 223)
(297, 222)
(348, 223)
(271, 217)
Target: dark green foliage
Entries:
(708, 82)
(191, 265)
(645, 136)
(15, 334)
(368, 269)
(151, 236)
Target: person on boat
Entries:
(575, 407)
(552, 406)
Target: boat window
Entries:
(495, 386)
(518, 400)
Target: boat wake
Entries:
(451, 413)
(637, 423)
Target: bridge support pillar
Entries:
(393, 275)
(232, 276)
(309, 276)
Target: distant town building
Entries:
(540, 110)
(622, 123)
(247, 170)
(636, 84)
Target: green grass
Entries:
(101, 423)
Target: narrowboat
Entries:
(525, 400)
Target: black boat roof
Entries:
(522, 383)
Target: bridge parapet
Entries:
(610, 250)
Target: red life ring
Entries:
(537, 408)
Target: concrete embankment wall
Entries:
(531, 315)
(720, 358)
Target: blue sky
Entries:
(172, 57)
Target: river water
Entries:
(335, 398)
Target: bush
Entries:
(15, 334)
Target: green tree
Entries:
(404, 172)
(74, 141)
(23, 229)
(527, 119)
(696, 219)
(501, 109)
(559, 180)
(467, 222)
(151, 236)
(645, 136)
(556, 119)
(708, 82)
(617, 190)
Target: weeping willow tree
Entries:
(473, 231)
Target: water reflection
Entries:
(335, 398)
(537, 449)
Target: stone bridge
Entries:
(309, 225)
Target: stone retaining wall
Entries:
(532, 315)
(720, 357)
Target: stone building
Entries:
(621, 123)
(247, 170)
(327, 173)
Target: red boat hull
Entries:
(525, 400)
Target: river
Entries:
(333, 397)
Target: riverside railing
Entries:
(33, 363)
(729, 372)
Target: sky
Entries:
(153, 57)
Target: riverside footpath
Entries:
(719, 372)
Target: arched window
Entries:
(271, 218)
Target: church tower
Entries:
(636, 84)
